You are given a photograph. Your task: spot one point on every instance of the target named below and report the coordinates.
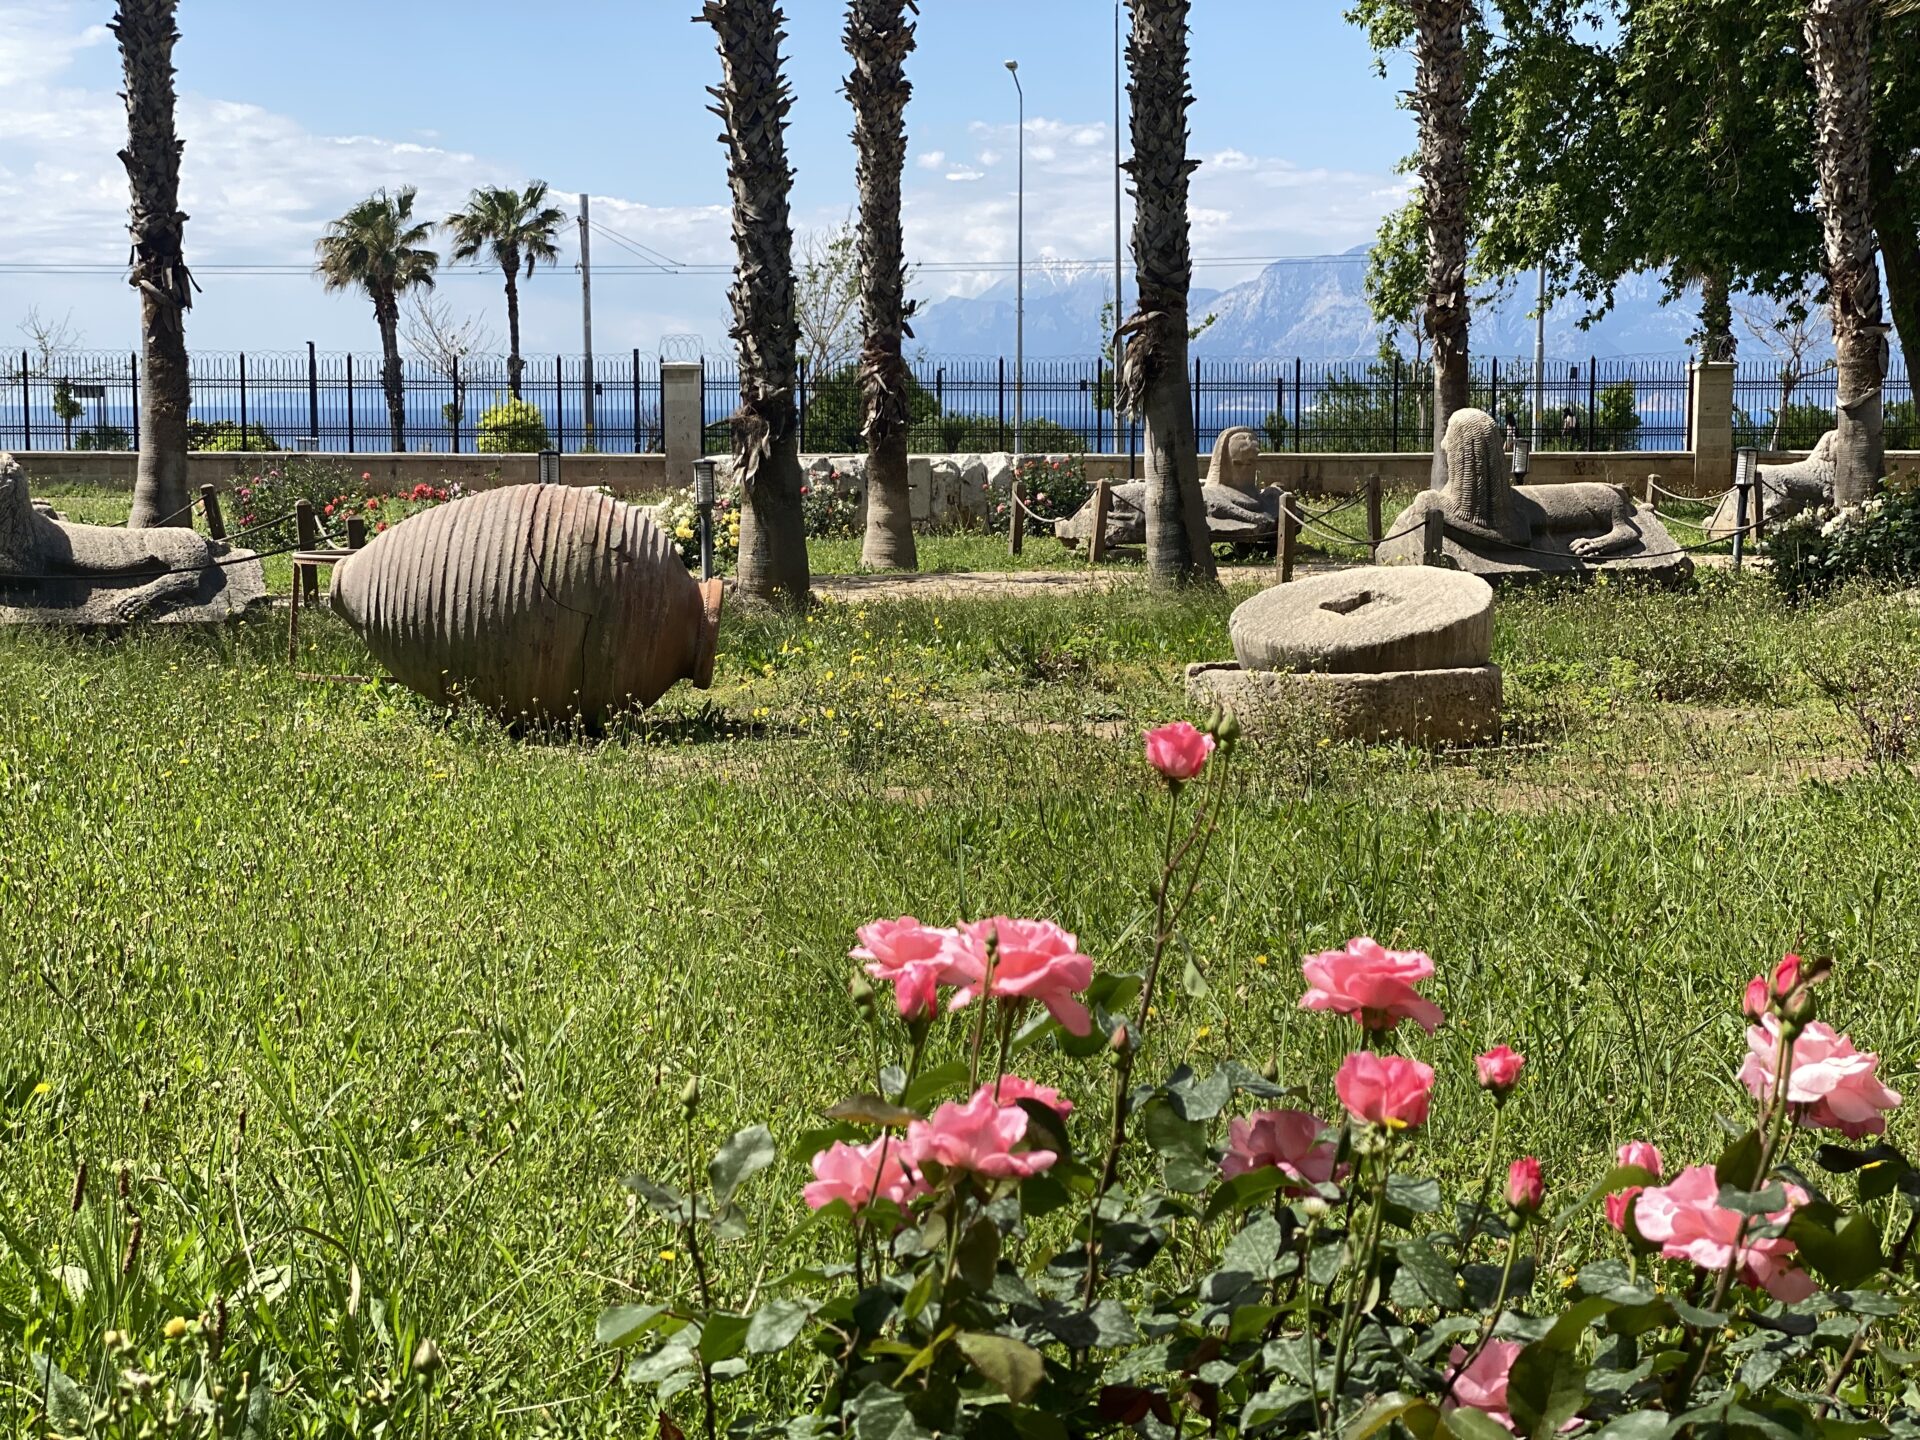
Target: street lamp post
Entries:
(1019, 261)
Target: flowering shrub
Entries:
(512, 427)
(1822, 548)
(1053, 489)
(680, 518)
(829, 506)
(263, 502)
(1010, 1261)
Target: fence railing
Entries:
(314, 400)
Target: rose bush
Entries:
(1209, 1254)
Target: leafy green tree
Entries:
(517, 228)
(379, 247)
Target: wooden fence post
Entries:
(307, 533)
(1374, 532)
(356, 531)
(210, 507)
(1016, 520)
(1283, 538)
(1102, 499)
(1434, 541)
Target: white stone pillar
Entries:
(1710, 426)
(681, 420)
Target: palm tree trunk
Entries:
(514, 363)
(1153, 378)
(1440, 100)
(1896, 220)
(879, 38)
(386, 311)
(1839, 34)
(147, 33)
(753, 104)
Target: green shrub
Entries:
(513, 427)
(835, 412)
(829, 506)
(102, 437)
(225, 435)
(984, 434)
(1053, 489)
(1818, 550)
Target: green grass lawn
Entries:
(360, 1010)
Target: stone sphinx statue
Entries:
(1239, 511)
(53, 572)
(1780, 491)
(1506, 533)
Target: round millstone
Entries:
(1366, 621)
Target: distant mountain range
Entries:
(1314, 308)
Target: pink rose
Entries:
(1291, 1141)
(1754, 1003)
(978, 1137)
(1372, 984)
(1831, 1085)
(1786, 977)
(1641, 1153)
(1526, 1191)
(852, 1173)
(1619, 1204)
(1384, 1089)
(1686, 1220)
(1483, 1384)
(1011, 1089)
(1499, 1070)
(1033, 960)
(911, 955)
(1178, 751)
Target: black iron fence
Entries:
(313, 400)
(1789, 407)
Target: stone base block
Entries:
(223, 592)
(1423, 707)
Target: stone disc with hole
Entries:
(1368, 620)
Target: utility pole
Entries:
(1119, 307)
(586, 322)
(1020, 264)
(1539, 355)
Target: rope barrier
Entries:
(1693, 499)
(261, 525)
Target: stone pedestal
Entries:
(1459, 706)
(1710, 424)
(681, 420)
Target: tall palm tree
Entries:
(879, 37)
(1153, 378)
(516, 227)
(146, 31)
(1440, 101)
(1839, 53)
(753, 101)
(379, 247)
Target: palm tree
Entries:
(879, 38)
(146, 31)
(1153, 378)
(1440, 100)
(753, 101)
(1839, 53)
(379, 247)
(516, 227)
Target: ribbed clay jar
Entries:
(542, 600)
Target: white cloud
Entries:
(259, 186)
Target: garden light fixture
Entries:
(1522, 459)
(703, 500)
(549, 467)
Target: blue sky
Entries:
(292, 111)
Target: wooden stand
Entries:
(1102, 499)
